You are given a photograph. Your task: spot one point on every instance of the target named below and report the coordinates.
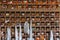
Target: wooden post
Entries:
(41, 37)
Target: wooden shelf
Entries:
(45, 16)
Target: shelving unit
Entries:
(45, 15)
